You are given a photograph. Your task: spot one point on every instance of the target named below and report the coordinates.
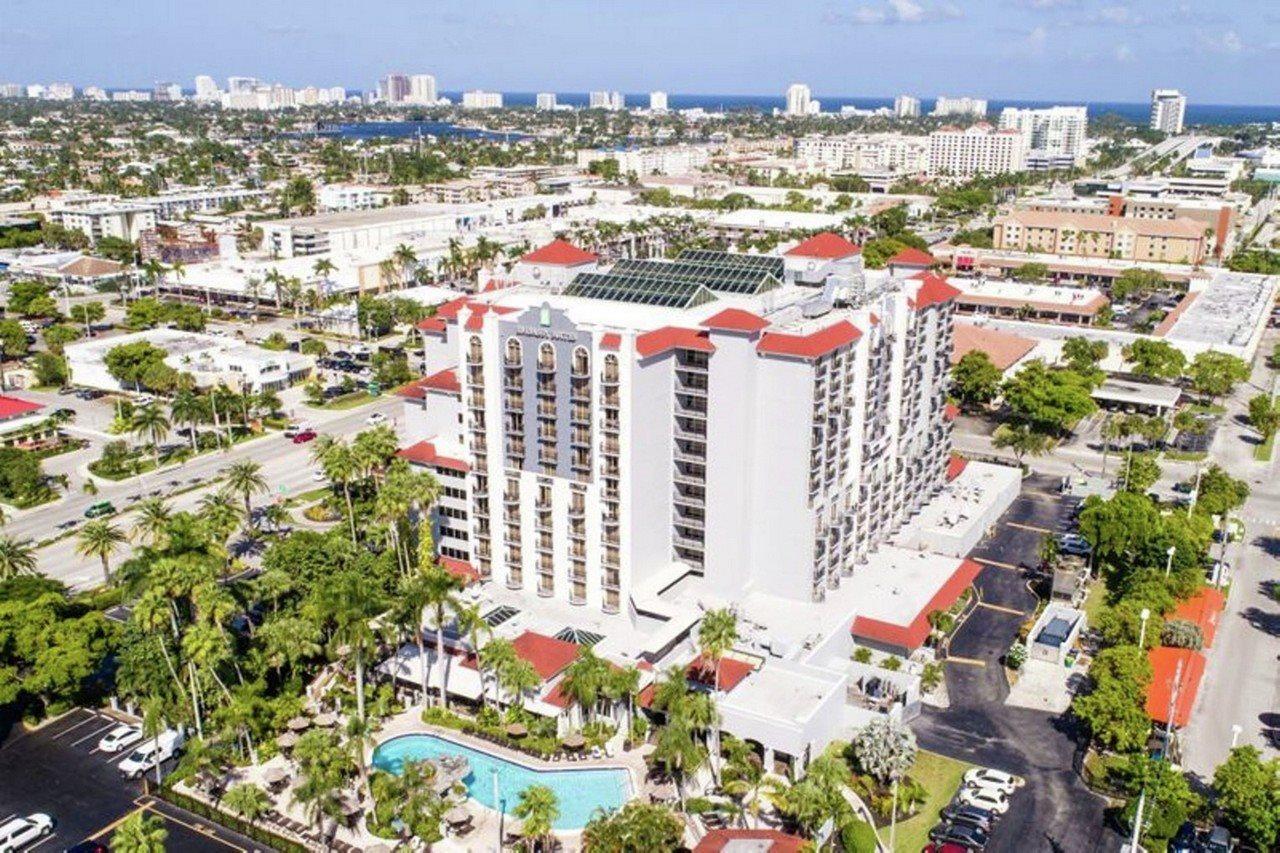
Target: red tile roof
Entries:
(446, 380)
(475, 322)
(825, 245)
(718, 840)
(735, 320)
(912, 634)
(559, 253)
(951, 411)
(912, 257)
(435, 325)
(13, 407)
(672, 337)
(548, 655)
(412, 390)
(955, 466)
(812, 345)
(1204, 609)
(424, 453)
(460, 569)
(1005, 349)
(1165, 662)
(732, 671)
(610, 340)
(451, 309)
(1172, 317)
(934, 290)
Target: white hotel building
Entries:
(976, 150)
(762, 423)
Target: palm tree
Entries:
(219, 511)
(276, 279)
(187, 407)
(438, 593)
(150, 423)
(152, 522)
(497, 656)
(247, 800)
(276, 516)
(538, 809)
(293, 292)
(622, 684)
(583, 681)
(471, 622)
(253, 290)
(351, 603)
(405, 259)
(269, 402)
(288, 641)
(323, 267)
(17, 557)
(140, 833)
(245, 478)
(100, 538)
(518, 679)
(716, 636)
(339, 465)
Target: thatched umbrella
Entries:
(574, 741)
(517, 730)
(457, 816)
(299, 724)
(326, 719)
(276, 775)
(288, 740)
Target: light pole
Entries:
(1142, 632)
(1235, 734)
(1168, 566)
(497, 803)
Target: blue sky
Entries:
(1218, 51)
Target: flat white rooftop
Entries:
(783, 690)
(1039, 294)
(1228, 309)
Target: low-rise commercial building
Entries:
(1102, 236)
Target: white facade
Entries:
(658, 102)
(93, 93)
(106, 219)
(977, 150)
(866, 152)
(606, 101)
(333, 197)
(905, 106)
(1055, 131)
(945, 106)
(1168, 110)
(799, 99)
(422, 89)
(658, 160)
(477, 99)
(207, 88)
(60, 92)
(613, 447)
(546, 101)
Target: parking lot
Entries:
(60, 771)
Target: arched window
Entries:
(581, 362)
(475, 350)
(610, 368)
(514, 351)
(546, 357)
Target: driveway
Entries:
(59, 770)
(1054, 810)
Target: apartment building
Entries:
(107, 216)
(477, 99)
(1168, 110)
(800, 100)
(866, 152)
(945, 106)
(1053, 135)
(422, 89)
(978, 149)
(123, 220)
(1096, 235)
(1218, 219)
(605, 437)
(905, 106)
(338, 197)
(653, 160)
(658, 102)
(546, 100)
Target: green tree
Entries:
(149, 422)
(1113, 710)
(51, 369)
(17, 557)
(637, 827)
(1155, 359)
(1264, 415)
(1083, 354)
(1247, 790)
(1049, 400)
(1170, 802)
(539, 809)
(57, 336)
(248, 801)
(88, 313)
(129, 363)
(975, 380)
(100, 538)
(244, 478)
(1031, 272)
(140, 833)
(1219, 492)
(1136, 283)
(1021, 439)
(1216, 374)
(13, 340)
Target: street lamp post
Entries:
(1142, 632)
(1235, 734)
(1168, 566)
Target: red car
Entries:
(945, 847)
(304, 437)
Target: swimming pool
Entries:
(580, 791)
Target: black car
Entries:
(960, 833)
(89, 847)
(971, 815)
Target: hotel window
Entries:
(475, 350)
(546, 357)
(514, 353)
(581, 362)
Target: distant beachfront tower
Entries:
(1168, 110)
(798, 99)
(422, 89)
(658, 102)
(546, 100)
(905, 106)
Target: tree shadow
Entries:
(1266, 622)
(1269, 544)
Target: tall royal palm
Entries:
(245, 479)
(351, 602)
(17, 557)
(440, 593)
(150, 423)
(340, 466)
(151, 522)
(100, 538)
(187, 407)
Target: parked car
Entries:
(88, 847)
(945, 847)
(1074, 544)
(21, 831)
(375, 419)
(120, 737)
(985, 777)
(152, 754)
(984, 798)
(980, 818)
(99, 509)
(304, 436)
(1217, 840)
(960, 833)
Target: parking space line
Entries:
(9, 818)
(966, 661)
(42, 842)
(111, 826)
(110, 725)
(1002, 609)
(91, 718)
(1031, 527)
(996, 564)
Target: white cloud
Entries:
(895, 12)
(1123, 53)
(1115, 16)
(1228, 42)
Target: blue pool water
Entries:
(580, 791)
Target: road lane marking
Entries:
(996, 564)
(1002, 609)
(1031, 527)
(966, 661)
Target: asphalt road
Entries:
(287, 468)
(58, 770)
(1054, 810)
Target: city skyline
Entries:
(1117, 51)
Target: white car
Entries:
(984, 798)
(21, 831)
(996, 780)
(120, 737)
(319, 476)
(375, 419)
(151, 754)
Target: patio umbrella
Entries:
(377, 848)
(299, 724)
(457, 815)
(288, 740)
(326, 719)
(574, 741)
(517, 730)
(275, 775)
